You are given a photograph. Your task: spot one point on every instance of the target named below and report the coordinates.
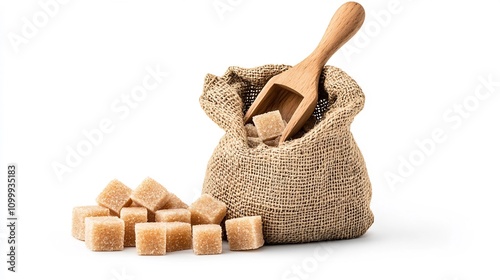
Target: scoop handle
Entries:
(344, 24)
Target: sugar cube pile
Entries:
(156, 222)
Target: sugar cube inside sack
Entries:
(173, 215)
(207, 239)
(244, 233)
(251, 130)
(207, 210)
(132, 216)
(151, 238)
(273, 142)
(178, 236)
(253, 142)
(79, 215)
(269, 125)
(115, 196)
(150, 194)
(104, 233)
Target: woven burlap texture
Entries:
(311, 188)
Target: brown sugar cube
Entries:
(178, 236)
(150, 194)
(151, 238)
(244, 233)
(273, 142)
(269, 125)
(104, 233)
(151, 215)
(79, 215)
(253, 142)
(115, 196)
(207, 210)
(251, 130)
(207, 239)
(132, 216)
(173, 215)
(174, 202)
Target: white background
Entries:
(417, 63)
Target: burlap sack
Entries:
(309, 189)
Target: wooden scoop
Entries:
(295, 92)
